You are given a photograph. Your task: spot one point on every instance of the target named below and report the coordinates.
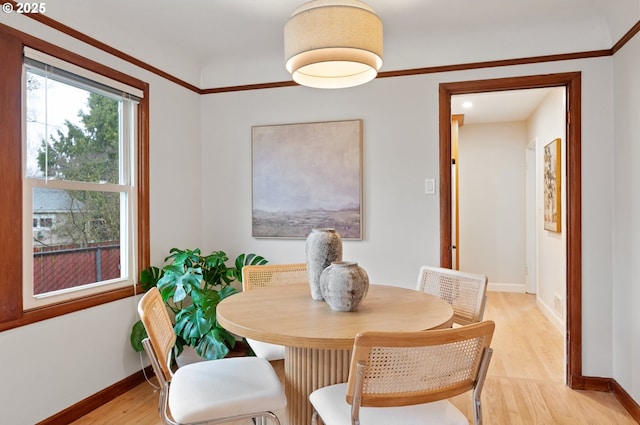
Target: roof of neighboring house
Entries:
(53, 201)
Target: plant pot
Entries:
(188, 356)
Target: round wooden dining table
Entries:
(319, 340)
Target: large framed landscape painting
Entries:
(307, 176)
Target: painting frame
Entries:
(552, 181)
(305, 176)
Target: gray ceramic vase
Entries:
(323, 247)
(344, 285)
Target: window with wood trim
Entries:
(75, 168)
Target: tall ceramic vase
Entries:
(323, 247)
(344, 285)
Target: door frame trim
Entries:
(572, 82)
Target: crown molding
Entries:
(386, 74)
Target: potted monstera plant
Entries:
(192, 285)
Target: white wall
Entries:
(401, 223)
(492, 202)
(626, 250)
(51, 365)
(546, 124)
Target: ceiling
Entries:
(219, 43)
(503, 106)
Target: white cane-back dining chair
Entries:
(264, 276)
(466, 292)
(212, 391)
(406, 378)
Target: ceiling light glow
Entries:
(333, 44)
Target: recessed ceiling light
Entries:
(467, 105)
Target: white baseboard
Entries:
(556, 321)
(507, 287)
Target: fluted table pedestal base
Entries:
(306, 370)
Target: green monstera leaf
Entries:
(138, 333)
(192, 285)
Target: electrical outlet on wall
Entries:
(558, 304)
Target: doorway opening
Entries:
(572, 84)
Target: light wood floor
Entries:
(525, 383)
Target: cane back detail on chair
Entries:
(410, 375)
(212, 391)
(157, 323)
(466, 292)
(264, 276)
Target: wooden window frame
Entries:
(12, 313)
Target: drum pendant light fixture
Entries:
(333, 44)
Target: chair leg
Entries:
(264, 420)
(478, 412)
(477, 391)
